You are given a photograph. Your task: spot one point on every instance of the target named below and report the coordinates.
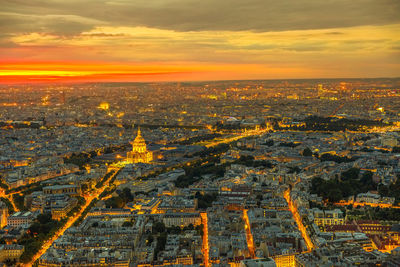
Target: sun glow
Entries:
(150, 54)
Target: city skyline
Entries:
(137, 41)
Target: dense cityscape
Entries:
(220, 173)
(149, 133)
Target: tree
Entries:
(84, 187)
(189, 227)
(161, 241)
(176, 230)
(206, 200)
(19, 201)
(10, 262)
(307, 152)
(3, 184)
(127, 224)
(334, 195)
(295, 169)
(149, 240)
(125, 195)
(396, 149)
(367, 182)
(199, 229)
(44, 218)
(115, 202)
(335, 158)
(350, 174)
(159, 227)
(269, 142)
(383, 190)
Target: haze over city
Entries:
(183, 133)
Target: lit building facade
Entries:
(11, 252)
(139, 153)
(284, 260)
(20, 218)
(181, 219)
(328, 217)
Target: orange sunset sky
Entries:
(176, 40)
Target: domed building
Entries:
(139, 151)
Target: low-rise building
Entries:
(20, 218)
(181, 219)
(328, 217)
(69, 189)
(10, 252)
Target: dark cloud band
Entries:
(75, 16)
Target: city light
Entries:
(299, 222)
(71, 220)
(249, 235)
(200, 133)
(205, 248)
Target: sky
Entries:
(183, 40)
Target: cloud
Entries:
(334, 33)
(63, 25)
(73, 16)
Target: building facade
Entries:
(139, 153)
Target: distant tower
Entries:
(63, 97)
(320, 89)
(139, 151)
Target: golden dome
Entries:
(139, 139)
(139, 151)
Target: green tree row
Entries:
(348, 184)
